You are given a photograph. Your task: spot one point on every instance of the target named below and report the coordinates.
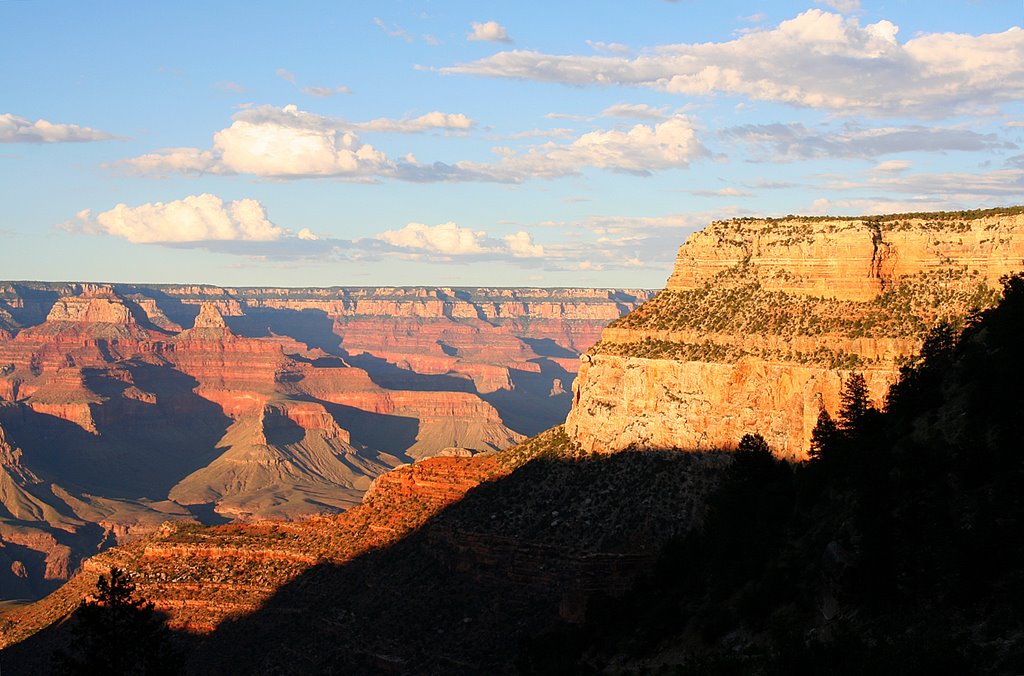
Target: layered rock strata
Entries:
(266, 403)
(763, 320)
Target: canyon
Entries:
(449, 563)
(123, 407)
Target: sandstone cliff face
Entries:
(762, 321)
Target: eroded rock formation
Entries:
(218, 403)
(763, 319)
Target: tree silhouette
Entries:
(117, 632)
(855, 406)
(753, 443)
(823, 436)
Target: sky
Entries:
(397, 143)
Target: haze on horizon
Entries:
(448, 144)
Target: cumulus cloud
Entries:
(488, 31)
(16, 129)
(781, 142)
(521, 245)
(446, 238)
(639, 150)
(817, 59)
(192, 219)
(291, 143)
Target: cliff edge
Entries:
(762, 320)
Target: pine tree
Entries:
(855, 404)
(823, 436)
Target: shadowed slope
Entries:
(452, 592)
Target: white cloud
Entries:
(567, 116)
(323, 92)
(817, 59)
(192, 219)
(286, 75)
(488, 31)
(307, 235)
(961, 186)
(721, 192)
(635, 111)
(640, 150)
(609, 47)
(291, 143)
(891, 166)
(557, 132)
(393, 30)
(16, 129)
(521, 245)
(432, 120)
(174, 161)
(782, 142)
(447, 238)
(844, 6)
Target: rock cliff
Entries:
(763, 319)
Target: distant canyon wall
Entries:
(122, 406)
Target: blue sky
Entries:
(467, 143)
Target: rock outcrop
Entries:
(763, 319)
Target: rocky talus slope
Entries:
(763, 319)
(130, 405)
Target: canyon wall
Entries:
(762, 320)
(132, 404)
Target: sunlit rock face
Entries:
(762, 320)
